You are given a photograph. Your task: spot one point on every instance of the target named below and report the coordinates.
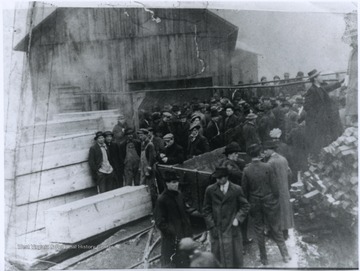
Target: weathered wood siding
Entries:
(100, 50)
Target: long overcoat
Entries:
(219, 211)
(282, 172)
(173, 222)
(322, 120)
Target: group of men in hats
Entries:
(277, 133)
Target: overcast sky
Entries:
(292, 42)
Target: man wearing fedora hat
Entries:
(282, 173)
(130, 151)
(197, 143)
(225, 208)
(172, 219)
(262, 192)
(101, 169)
(250, 133)
(322, 120)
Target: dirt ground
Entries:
(316, 243)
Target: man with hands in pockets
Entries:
(225, 208)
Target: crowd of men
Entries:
(274, 126)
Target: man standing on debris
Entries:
(322, 120)
(282, 175)
(172, 220)
(101, 170)
(225, 209)
(130, 151)
(261, 189)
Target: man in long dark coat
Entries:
(282, 174)
(261, 190)
(115, 159)
(323, 123)
(225, 208)
(172, 220)
(249, 131)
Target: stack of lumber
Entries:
(331, 186)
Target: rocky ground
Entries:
(316, 243)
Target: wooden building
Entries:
(86, 66)
(244, 64)
(85, 59)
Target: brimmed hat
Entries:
(167, 114)
(229, 105)
(299, 100)
(220, 172)
(300, 74)
(168, 136)
(155, 115)
(98, 134)
(251, 116)
(175, 108)
(313, 73)
(286, 103)
(231, 148)
(170, 176)
(107, 133)
(143, 131)
(253, 150)
(214, 111)
(129, 131)
(195, 116)
(270, 145)
(194, 125)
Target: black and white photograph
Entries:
(180, 134)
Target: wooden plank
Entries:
(30, 217)
(59, 128)
(76, 221)
(57, 152)
(87, 114)
(51, 183)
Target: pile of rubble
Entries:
(331, 186)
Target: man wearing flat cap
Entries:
(250, 133)
(197, 143)
(130, 151)
(225, 208)
(115, 159)
(101, 169)
(322, 120)
(173, 221)
(173, 153)
(262, 192)
(213, 131)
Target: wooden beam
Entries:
(51, 183)
(53, 153)
(45, 130)
(76, 221)
(31, 217)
